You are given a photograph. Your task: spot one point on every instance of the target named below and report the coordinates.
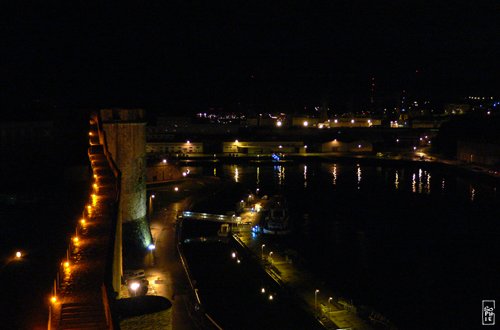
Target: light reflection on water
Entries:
(398, 217)
(355, 176)
(358, 172)
(236, 174)
(279, 171)
(334, 173)
(305, 176)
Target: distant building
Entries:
(353, 146)
(456, 108)
(172, 148)
(263, 147)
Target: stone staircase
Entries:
(82, 316)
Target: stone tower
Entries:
(125, 131)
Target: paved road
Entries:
(165, 273)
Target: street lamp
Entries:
(316, 300)
(262, 251)
(134, 286)
(271, 256)
(330, 303)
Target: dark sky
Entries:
(200, 53)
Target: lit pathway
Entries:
(77, 302)
(303, 284)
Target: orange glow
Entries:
(76, 240)
(83, 221)
(53, 299)
(91, 134)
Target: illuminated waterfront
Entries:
(397, 239)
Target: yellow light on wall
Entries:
(66, 265)
(53, 299)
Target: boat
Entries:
(275, 216)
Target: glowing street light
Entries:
(151, 247)
(53, 299)
(164, 161)
(18, 255)
(83, 222)
(330, 304)
(263, 290)
(316, 299)
(279, 123)
(262, 251)
(271, 297)
(271, 256)
(176, 188)
(134, 286)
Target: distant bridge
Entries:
(233, 219)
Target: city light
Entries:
(53, 299)
(134, 286)
(263, 290)
(18, 255)
(164, 161)
(316, 299)
(271, 297)
(279, 123)
(305, 123)
(176, 188)
(151, 247)
(83, 222)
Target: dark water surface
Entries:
(417, 243)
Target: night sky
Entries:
(189, 55)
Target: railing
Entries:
(211, 217)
